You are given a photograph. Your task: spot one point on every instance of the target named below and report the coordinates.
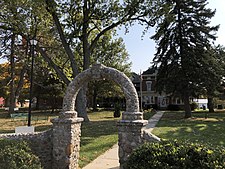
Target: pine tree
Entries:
(182, 35)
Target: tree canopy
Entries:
(70, 33)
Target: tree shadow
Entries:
(98, 129)
(197, 129)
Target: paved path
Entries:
(153, 121)
(110, 159)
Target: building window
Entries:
(149, 85)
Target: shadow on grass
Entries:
(197, 129)
(95, 129)
(97, 137)
(42, 128)
(6, 131)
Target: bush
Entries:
(194, 105)
(175, 155)
(155, 106)
(174, 107)
(220, 106)
(117, 110)
(17, 155)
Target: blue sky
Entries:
(141, 50)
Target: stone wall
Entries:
(66, 140)
(40, 144)
(130, 137)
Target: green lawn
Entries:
(97, 136)
(197, 129)
(41, 121)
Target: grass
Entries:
(148, 114)
(196, 129)
(97, 136)
(40, 120)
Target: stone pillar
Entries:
(130, 134)
(66, 140)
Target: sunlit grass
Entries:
(41, 121)
(97, 136)
(208, 130)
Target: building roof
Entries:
(135, 78)
(150, 71)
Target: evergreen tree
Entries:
(214, 73)
(182, 35)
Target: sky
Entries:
(141, 49)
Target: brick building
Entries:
(145, 85)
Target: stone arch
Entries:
(66, 128)
(98, 72)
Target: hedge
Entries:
(17, 155)
(176, 155)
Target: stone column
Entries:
(130, 134)
(66, 140)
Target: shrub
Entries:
(117, 110)
(175, 155)
(17, 155)
(155, 106)
(220, 106)
(194, 105)
(174, 107)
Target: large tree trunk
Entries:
(20, 83)
(51, 9)
(12, 71)
(187, 107)
(95, 100)
(210, 104)
(86, 45)
(81, 98)
(38, 102)
(81, 106)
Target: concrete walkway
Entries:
(110, 159)
(153, 121)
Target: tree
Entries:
(21, 84)
(80, 25)
(14, 21)
(182, 35)
(215, 75)
(48, 88)
(111, 52)
(212, 74)
(68, 38)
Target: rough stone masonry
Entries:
(130, 127)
